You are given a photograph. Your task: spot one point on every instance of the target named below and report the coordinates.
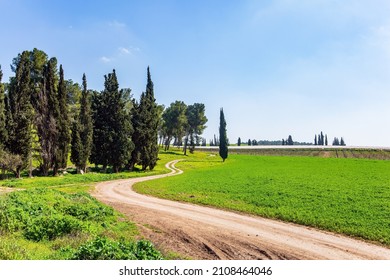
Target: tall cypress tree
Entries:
(223, 142)
(82, 132)
(21, 112)
(48, 113)
(3, 130)
(63, 124)
(146, 121)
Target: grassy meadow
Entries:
(349, 196)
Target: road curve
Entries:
(201, 232)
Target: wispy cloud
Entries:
(117, 24)
(105, 59)
(123, 50)
(129, 50)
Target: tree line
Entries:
(319, 140)
(45, 118)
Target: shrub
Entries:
(102, 248)
(50, 227)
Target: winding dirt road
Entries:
(199, 232)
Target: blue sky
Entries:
(276, 67)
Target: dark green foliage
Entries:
(102, 248)
(223, 141)
(326, 140)
(82, 132)
(145, 119)
(249, 142)
(315, 140)
(3, 130)
(239, 141)
(48, 113)
(21, 111)
(76, 145)
(112, 144)
(63, 124)
(342, 142)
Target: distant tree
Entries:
(322, 138)
(196, 124)
(283, 142)
(223, 142)
(326, 140)
(174, 122)
(249, 142)
(254, 142)
(315, 140)
(290, 141)
(239, 141)
(336, 142)
(342, 142)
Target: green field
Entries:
(349, 196)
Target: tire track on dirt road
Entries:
(200, 232)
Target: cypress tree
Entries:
(82, 132)
(63, 124)
(48, 113)
(342, 142)
(3, 130)
(223, 142)
(249, 142)
(239, 141)
(112, 143)
(21, 112)
(315, 140)
(146, 121)
(290, 141)
(326, 139)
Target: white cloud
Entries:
(123, 50)
(117, 24)
(105, 59)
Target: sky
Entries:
(276, 67)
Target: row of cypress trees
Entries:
(108, 129)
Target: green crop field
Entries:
(349, 196)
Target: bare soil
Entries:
(198, 232)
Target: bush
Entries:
(102, 248)
(50, 228)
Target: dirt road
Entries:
(199, 232)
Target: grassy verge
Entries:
(349, 196)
